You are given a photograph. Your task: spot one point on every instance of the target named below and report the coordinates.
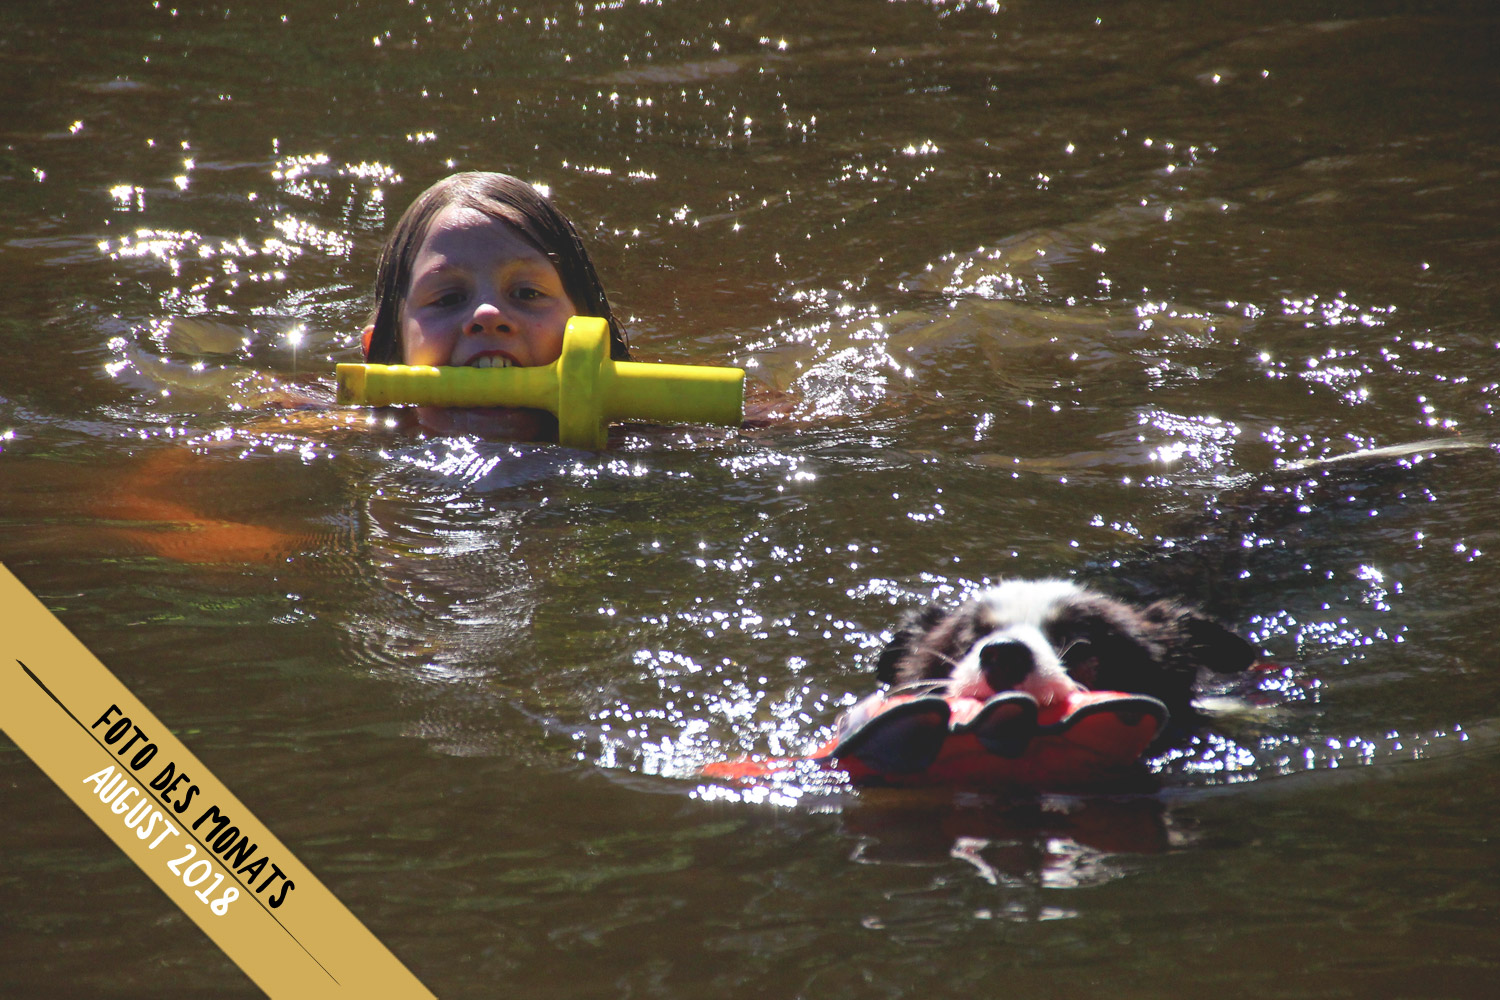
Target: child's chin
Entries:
(502, 422)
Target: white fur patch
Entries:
(1022, 609)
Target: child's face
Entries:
(481, 295)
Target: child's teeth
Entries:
(490, 361)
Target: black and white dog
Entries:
(1049, 637)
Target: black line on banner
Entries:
(185, 829)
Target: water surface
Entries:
(1053, 289)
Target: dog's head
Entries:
(1050, 637)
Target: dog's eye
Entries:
(1076, 651)
(1081, 661)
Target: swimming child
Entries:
(483, 270)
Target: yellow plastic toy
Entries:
(584, 388)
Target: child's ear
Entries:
(364, 340)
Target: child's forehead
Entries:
(460, 234)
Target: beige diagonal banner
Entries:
(179, 823)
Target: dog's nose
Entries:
(1005, 663)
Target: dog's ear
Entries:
(914, 625)
(1215, 647)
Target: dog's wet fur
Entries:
(1048, 637)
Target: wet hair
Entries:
(505, 199)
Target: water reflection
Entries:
(1052, 842)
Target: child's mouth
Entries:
(491, 361)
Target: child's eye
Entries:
(448, 299)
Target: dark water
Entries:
(1060, 288)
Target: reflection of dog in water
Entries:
(1050, 637)
(1048, 840)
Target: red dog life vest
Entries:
(920, 738)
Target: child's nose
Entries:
(487, 319)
